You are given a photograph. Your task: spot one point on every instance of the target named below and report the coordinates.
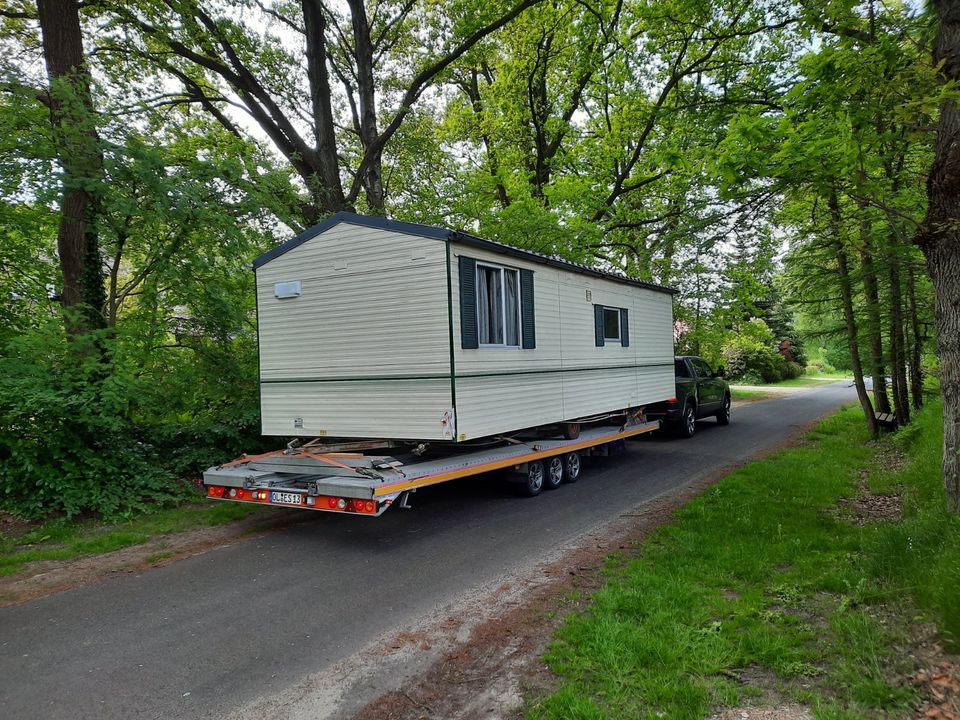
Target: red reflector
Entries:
(672, 401)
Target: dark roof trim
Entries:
(552, 261)
(370, 221)
(436, 233)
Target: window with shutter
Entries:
(611, 325)
(496, 306)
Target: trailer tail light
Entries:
(241, 494)
(332, 502)
(364, 506)
(672, 401)
(215, 491)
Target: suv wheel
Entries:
(723, 417)
(688, 422)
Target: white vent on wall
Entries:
(284, 290)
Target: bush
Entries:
(65, 437)
(751, 352)
(792, 371)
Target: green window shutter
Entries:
(598, 323)
(528, 325)
(624, 328)
(469, 339)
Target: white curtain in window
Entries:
(489, 306)
(483, 306)
(511, 285)
(496, 306)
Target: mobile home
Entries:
(375, 328)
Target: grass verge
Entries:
(768, 574)
(737, 393)
(69, 539)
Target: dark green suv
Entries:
(701, 392)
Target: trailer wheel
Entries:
(554, 474)
(533, 482)
(571, 431)
(571, 467)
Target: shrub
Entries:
(751, 351)
(792, 370)
(66, 439)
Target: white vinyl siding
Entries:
(372, 314)
(566, 376)
(363, 350)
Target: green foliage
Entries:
(66, 436)
(750, 355)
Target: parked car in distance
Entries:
(701, 392)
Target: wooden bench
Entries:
(887, 420)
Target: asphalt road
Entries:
(206, 635)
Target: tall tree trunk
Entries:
(898, 361)
(81, 159)
(874, 327)
(324, 185)
(939, 239)
(916, 341)
(846, 296)
(366, 88)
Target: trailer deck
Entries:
(369, 484)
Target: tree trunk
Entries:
(898, 362)
(939, 238)
(325, 185)
(874, 333)
(366, 89)
(916, 341)
(81, 160)
(846, 295)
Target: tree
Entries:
(81, 161)
(374, 57)
(939, 238)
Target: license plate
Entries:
(288, 498)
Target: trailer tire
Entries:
(572, 467)
(534, 480)
(571, 431)
(555, 472)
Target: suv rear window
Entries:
(680, 368)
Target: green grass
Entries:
(763, 571)
(68, 539)
(807, 380)
(737, 393)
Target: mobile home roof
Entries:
(455, 236)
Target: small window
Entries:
(498, 306)
(680, 368)
(611, 324)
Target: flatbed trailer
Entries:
(313, 476)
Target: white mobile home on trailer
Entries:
(373, 328)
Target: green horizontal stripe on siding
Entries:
(382, 378)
